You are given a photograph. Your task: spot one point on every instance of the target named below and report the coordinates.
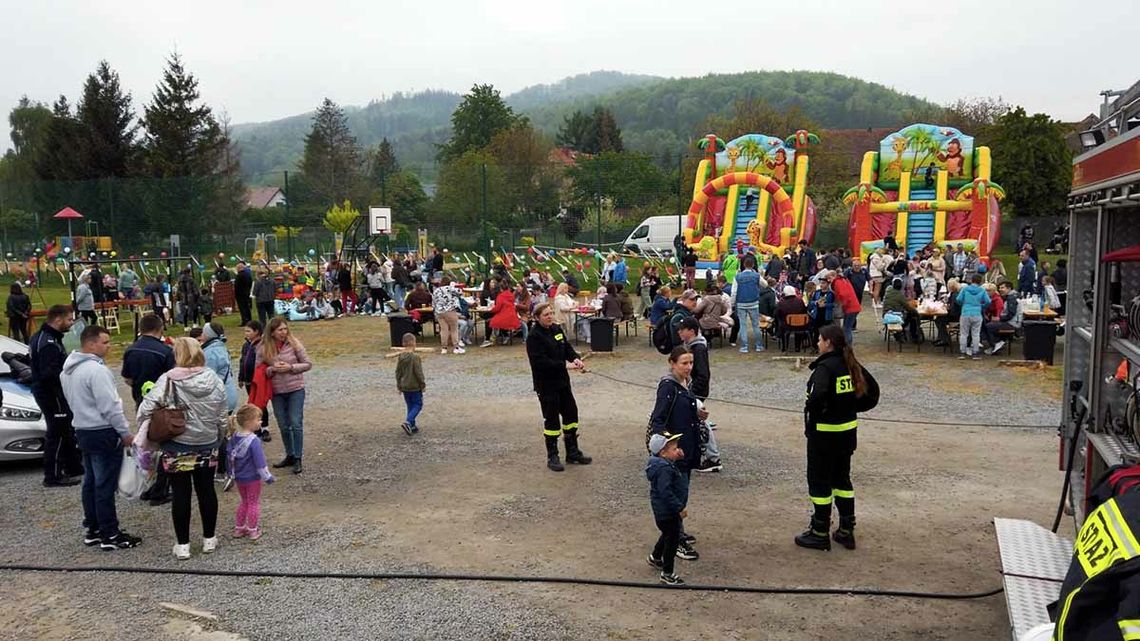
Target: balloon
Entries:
(221, 255)
(144, 254)
(201, 268)
(133, 256)
(233, 259)
(28, 282)
(312, 252)
(162, 254)
(599, 256)
(114, 254)
(9, 254)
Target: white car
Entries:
(22, 427)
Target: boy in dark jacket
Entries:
(690, 334)
(410, 382)
(668, 496)
(246, 366)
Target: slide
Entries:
(745, 213)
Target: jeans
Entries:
(712, 450)
(990, 331)
(264, 312)
(465, 326)
(751, 316)
(666, 548)
(400, 295)
(202, 480)
(289, 408)
(970, 328)
(848, 326)
(102, 458)
(524, 327)
(415, 403)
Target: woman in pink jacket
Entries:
(287, 362)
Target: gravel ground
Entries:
(470, 494)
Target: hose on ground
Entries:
(500, 578)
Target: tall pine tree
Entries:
(109, 130)
(476, 120)
(331, 162)
(185, 146)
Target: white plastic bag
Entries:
(132, 478)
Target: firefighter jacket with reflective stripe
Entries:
(1100, 598)
(831, 404)
(548, 352)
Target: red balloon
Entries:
(579, 264)
(669, 270)
(162, 254)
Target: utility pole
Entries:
(680, 206)
(598, 234)
(486, 240)
(288, 219)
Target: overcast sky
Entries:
(260, 60)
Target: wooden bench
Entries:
(1009, 335)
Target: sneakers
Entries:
(264, 435)
(91, 537)
(458, 350)
(209, 544)
(443, 352)
(744, 350)
(976, 357)
(687, 538)
(709, 466)
(181, 552)
(486, 344)
(759, 348)
(996, 348)
(121, 541)
(686, 551)
(670, 579)
(962, 357)
(654, 562)
(254, 534)
(228, 485)
(240, 532)
(407, 428)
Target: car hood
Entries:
(17, 394)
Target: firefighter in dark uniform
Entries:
(550, 356)
(62, 461)
(839, 387)
(1100, 597)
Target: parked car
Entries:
(655, 234)
(22, 427)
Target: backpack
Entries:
(662, 337)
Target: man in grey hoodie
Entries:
(102, 431)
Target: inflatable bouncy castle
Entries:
(926, 184)
(751, 191)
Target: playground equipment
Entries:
(750, 191)
(926, 184)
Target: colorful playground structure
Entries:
(751, 191)
(926, 184)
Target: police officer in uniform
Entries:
(550, 356)
(839, 387)
(62, 461)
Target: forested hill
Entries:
(656, 115)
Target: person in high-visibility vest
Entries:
(838, 389)
(551, 356)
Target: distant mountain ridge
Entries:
(656, 115)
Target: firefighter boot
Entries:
(815, 537)
(552, 454)
(573, 454)
(845, 534)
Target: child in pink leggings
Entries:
(248, 468)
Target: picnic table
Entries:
(1040, 314)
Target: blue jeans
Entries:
(415, 403)
(400, 294)
(848, 325)
(102, 458)
(289, 408)
(750, 315)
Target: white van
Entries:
(655, 233)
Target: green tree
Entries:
(184, 146)
(109, 130)
(331, 162)
(459, 191)
(575, 131)
(627, 179)
(606, 136)
(406, 197)
(56, 159)
(476, 120)
(530, 183)
(756, 116)
(1032, 163)
(382, 163)
(29, 122)
(339, 217)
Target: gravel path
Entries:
(469, 494)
